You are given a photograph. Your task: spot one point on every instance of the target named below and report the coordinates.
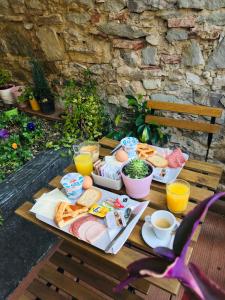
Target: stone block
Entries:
(129, 72)
(122, 30)
(186, 22)
(114, 6)
(219, 81)
(201, 4)
(153, 38)
(171, 59)
(128, 44)
(194, 79)
(50, 44)
(217, 59)
(193, 55)
(78, 18)
(18, 6)
(206, 32)
(214, 18)
(164, 98)
(55, 19)
(139, 6)
(151, 84)
(137, 88)
(130, 57)
(35, 4)
(16, 42)
(149, 56)
(121, 15)
(174, 35)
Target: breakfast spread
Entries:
(145, 150)
(158, 161)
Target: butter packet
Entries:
(99, 210)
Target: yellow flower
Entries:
(14, 146)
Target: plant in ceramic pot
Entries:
(137, 176)
(29, 94)
(42, 91)
(6, 87)
(20, 95)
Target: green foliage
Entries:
(18, 147)
(41, 86)
(150, 133)
(136, 169)
(5, 77)
(84, 115)
(27, 94)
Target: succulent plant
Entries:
(136, 169)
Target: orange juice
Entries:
(83, 163)
(178, 193)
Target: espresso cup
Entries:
(163, 223)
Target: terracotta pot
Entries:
(7, 95)
(137, 188)
(34, 104)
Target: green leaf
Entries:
(145, 137)
(139, 121)
(132, 101)
(140, 129)
(117, 119)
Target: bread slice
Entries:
(67, 213)
(158, 161)
(89, 197)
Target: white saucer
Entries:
(151, 239)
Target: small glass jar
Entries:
(90, 147)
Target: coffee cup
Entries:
(163, 223)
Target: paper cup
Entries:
(72, 183)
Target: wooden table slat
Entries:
(204, 166)
(41, 291)
(84, 273)
(68, 285)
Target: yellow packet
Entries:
(99, 210)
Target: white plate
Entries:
(151, 239)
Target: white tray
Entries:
(55, 196)
(171, 173)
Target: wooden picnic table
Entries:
(92, 268)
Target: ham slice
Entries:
(95, 232)
(83, 228)
(176, 159)
(76, 225)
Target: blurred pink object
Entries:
(17, 90)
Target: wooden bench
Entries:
(190, 110)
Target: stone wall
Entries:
(171, 50)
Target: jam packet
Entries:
(115, 219)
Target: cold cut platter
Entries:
(98, 217)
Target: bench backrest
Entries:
(187, 109)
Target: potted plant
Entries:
(6, 87)
(19, 94)
(42, 91)
(29, 95)
(137, 176)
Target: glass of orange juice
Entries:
(177, 193)
(83, 162)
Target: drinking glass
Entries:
(177, 193)
(83, 162)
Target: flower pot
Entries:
(137, 188)
(7, 95)
(47, 107)
(34, 104)
(23, 104)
